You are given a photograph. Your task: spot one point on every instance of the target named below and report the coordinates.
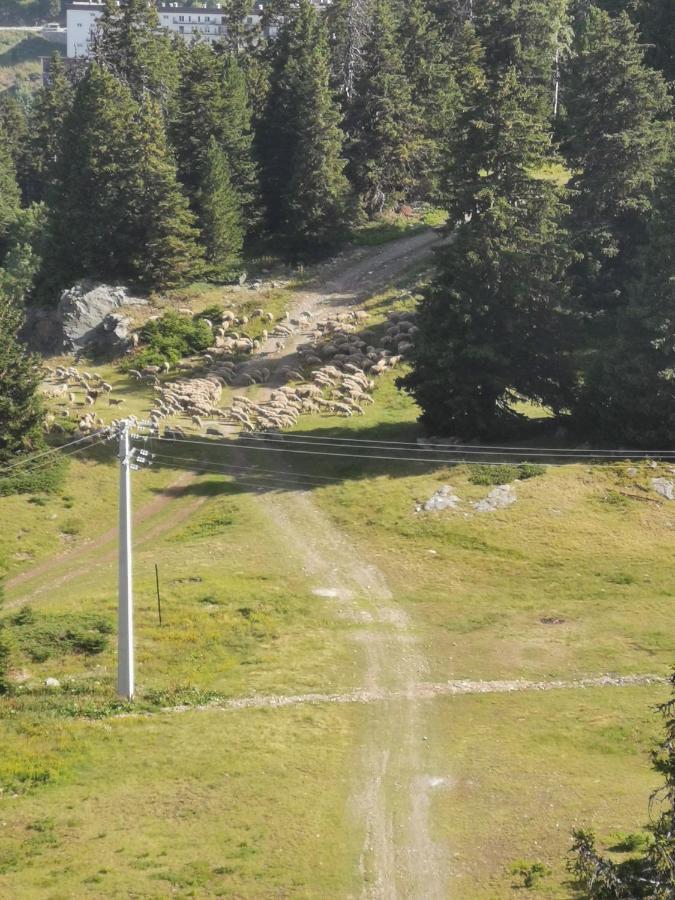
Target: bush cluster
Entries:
(41, 637)
(169, 339)
(504, 474)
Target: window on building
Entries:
(181, 19)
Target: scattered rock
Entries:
(498, 498)
(664, 487)
(444, 498)
(551, 620)
(52, 682)
(632, 471)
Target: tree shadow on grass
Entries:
(302, 461)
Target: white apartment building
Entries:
(193, 23)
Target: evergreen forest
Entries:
(543, 127)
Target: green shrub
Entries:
(45, 480)
(42, 636)
(169, 339)
(211, 312)
(530, 873)
(504, 474)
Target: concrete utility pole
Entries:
(125, 609)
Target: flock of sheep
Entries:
(334, 374)
(76, 394)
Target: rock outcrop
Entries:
(85, 318)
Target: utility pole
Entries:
(125, 609)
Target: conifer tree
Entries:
(318, 189)
(385, 129)
(221, 218)
(489, 327)
(14, 126)
(116, 211)
(212, 101)
(300, 140)
(434, 92)
(657, 20)
(616, 146)
(9, 190)
(166, 247)
(21, 413)
(651, 874)
(529, 36)
(628, 395)
(46, 123)
(130, 44)
(348, 25)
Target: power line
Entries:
(254, 470)
(45, 463)
(274, 481)
(29, 459)
(301, 437)
(239, 445)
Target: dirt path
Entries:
(339, 285)
(399, 858)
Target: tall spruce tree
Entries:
(649, 875)
(385, 128)
(46, 124)
(21, 413)
(167, 251)
(434, 92)
(628, 395)
(528, 35)
(9, 190)
(129, 43)
(348, 24)
(212, 101)
(300, 140)
(618, 137)
(116, 211)
(221, 216)
(489, 328)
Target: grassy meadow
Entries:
(102, 798)
(20, 55)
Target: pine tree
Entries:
(628, 394)
(489, 328)
(617, 142)
(88, 232)
(348, 25)
(318, 189)
(529, 36)
(21, 414)
(651, 874)
(46, 123)
(116, 211)
(300, 139)
(14, 126)
(9, 190)
(434, 92)
(221, 217)
(166, 238)
(385, 129)
(213, 102)
(130, 44)
(657, 18)
(237, 139)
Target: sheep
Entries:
(112, 401)
(197, 421)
